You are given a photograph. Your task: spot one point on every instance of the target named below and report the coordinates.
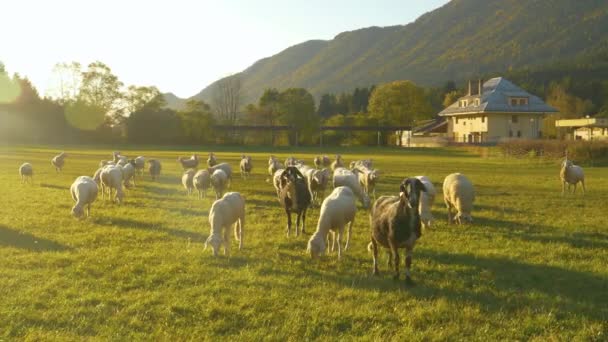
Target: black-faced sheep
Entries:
(84, 192)
(295, 197)
(58, 161)
(395, 223)
(458, 195)
(337, 210)
(26, 171)
(225, 212)
(571, 174)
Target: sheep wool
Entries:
(225, 212)
(459, 195)
(84, 192)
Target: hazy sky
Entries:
(179, 46)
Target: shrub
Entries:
(583, 152)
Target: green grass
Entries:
(532, 266)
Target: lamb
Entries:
(571, 174)
(58, 161)
(227, 211)
(345, 177)
(26, 172)
(188, 163)
(458, 195)
(211, 161)
(337, 210)
(321, 161)
(139, 163)
(317, 183)
(337, 163)
(202, 181)
(395, 223)
(294, 197)
(188, 180)
(219, 180)
(427, 199)
(111, 178)
(154, 167)
(84, 192)
(246, 166)
(128, 175)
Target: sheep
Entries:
(202, 181)
(294, 196)
(154, 167)
(273, 165)
(106, 162)
(427, 199)
(84, 192)
(97, 175)
(224, 167)
(458, 195)
(188, 163)
(26, 171)
(246, 166)
(128, 174)
(345, 177)
(276, 182)
(119, 159)
(111, 178)
(317, 183)
(58, 161)
(292, 161)
(395, 223)
(139, 163)
(321, 161)
(571, 174)
(211, 161)
(337, 210)
(367, 179)
(188, 181)
(367, 163)
(224, 212)
(337, 163)
(219, 180)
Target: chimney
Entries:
(469, 88)
(479, 87)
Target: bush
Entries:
(582, 152)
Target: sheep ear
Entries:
(420, 185)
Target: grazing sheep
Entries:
(84, 192)
(321, 161)
(395, 223)
(188, 163)
(154, 167)
(225, 212)
(458, 194)
(317, 183)
(211, 161)
(427, 198)
(224, 167)
(337, 163)
(58, 161)
(294, 197)
(571, 174)
(345, 177)
(188, 181)
(246, 166)
(139, 163)
(111, 178)
(337, 210)
(128, 175)
(26, 172)
(219, 181)
(202, 181)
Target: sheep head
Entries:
(316, 247)
(410, 190)
(463, 218)
(215, 241)
(77, 211)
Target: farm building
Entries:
(585, 128)
(499, 110)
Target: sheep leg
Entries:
(288, 221)
(375, 256)
(583, 185)
(339, 233)
(408, 265)
(304, 221)
(447, 204)
(298, 220)
(575, 185)
(89, 210)
(350, 230)
(226, 241)
(395, 256)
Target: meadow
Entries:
(532, 266)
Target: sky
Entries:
(179, 46)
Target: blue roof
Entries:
(495, 98)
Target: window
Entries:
(483, 119)
(513, 102)
(523, 101)
(477, 102)
(514, 119)
(518, 101)
(519, 134)
(456, 120)
(463, 103)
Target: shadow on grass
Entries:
(152, 227)
(13, 238)
(53, 186)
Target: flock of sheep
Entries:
(395, 221)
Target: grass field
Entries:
(533, 266)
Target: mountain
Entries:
(462, 39)
(173, 101)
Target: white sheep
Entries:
(219, 180)
(119, 159)
(225, 212)
(276, 180)
(128, 174)
(571, 174)
(367, 179)
(111, 178)
(427, 198)
(97, 175)
(154, 167)
(273, 165)
(337, 210)
(338, 163)
(202, 181)
(367, 163)
(246, 166)
(106, 162)
(224, 167)
(139, 163)
(58, 161)
(317, 184)
(188, 163)
(188, 181)
(84, 192)
(345, 177)
(458, 194)
(26, 171)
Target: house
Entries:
(499, 110)
(585, 128)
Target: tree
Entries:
(327, 106)
(450, 98)
(297, 108)
(399, 103)
(227, 99)
(101, 89)
(137, 97)
(154, 126)
(9, 90)
(568, 105)
(65, 83)
(197, 122)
